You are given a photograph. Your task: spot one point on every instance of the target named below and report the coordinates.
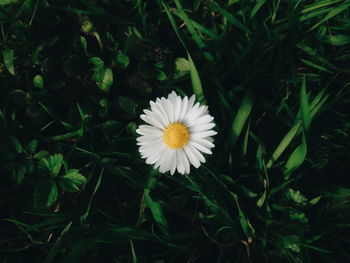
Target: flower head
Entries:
(178, 132)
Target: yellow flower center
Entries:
(176, 135)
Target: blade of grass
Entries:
(305, 108)
(51, 256)
(182, 14)
(333, 12)
(217, 8)
(196, 81)
(239, 121)
(316, 104)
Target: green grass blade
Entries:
(296, 158)
(196, 81)
(240, 120)
(54, 250)
(304, 108)
(333, 12)
(182, 14)
(217, 8)
(257, 7)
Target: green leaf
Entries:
(97, 63)
(337, 40)
(305, 108)
(38, 82)
(256, 8)
(17, 145)
(52, 194)
(315, 200)
(18, 173)
(122, 60)
(104, 79)
(72, 181)
(156, 211)
(83, 44)
(196, 81)
(296, 196)
(8, 60)
(182, 67)
(32, 145)
(296, 158)
(7, 2)
(51, 165)
(239, 121)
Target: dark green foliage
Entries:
(75, 76)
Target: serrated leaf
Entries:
(51, 164)
(72, 181)
(38, 82)
(8, 60)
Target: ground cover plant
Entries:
(74, 78)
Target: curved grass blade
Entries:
(239, 121)
(182, 14)
(196, 81)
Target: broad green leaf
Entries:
(38, 82)
(72, 181)
(17, 145)
(182, 67)
(32, 145)
(52, 194)
(8, 60)
(97, 63)
(104, 79)
(196, 81)
(52, 164)
(240, 120)
(157, 211)
(122, 60)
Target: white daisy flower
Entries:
(177, 134)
